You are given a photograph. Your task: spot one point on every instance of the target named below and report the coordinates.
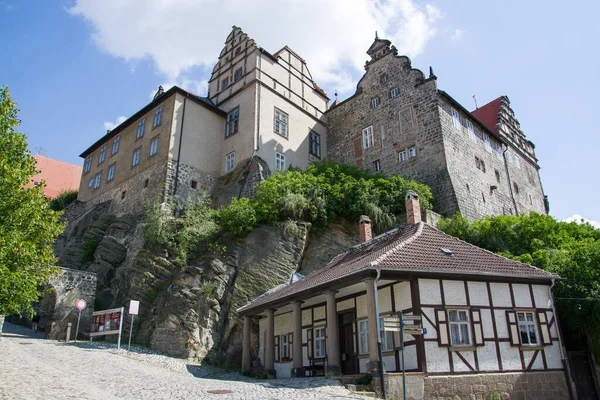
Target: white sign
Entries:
(134, 307)
(80, 304)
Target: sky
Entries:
(79, 67)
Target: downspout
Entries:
(512, 195)
(180, 140)
(381, 374)
(560, 345)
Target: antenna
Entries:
(475, 99)
(41, 151)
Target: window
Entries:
(111, 172)
(383, 78)
(488, 143)
(284, 349)
(386, 337)
(412, 152)
(88, 164)
(516, 187)
(455, 118)
(375, 102)
(279, 161)
(280, 124)
(527, 328)
(459, 327)
(480, 164)
(230, 161)
(320, 342)
(233, 122)
(238, 74)
(394, 93)
(376, 166)
(97, 180)
(402, 156)
(367, 136)
(497, 175)
(238, 50)
(314, 144)
(136, 157)
(123, 193)
(91, 182)
(157, 116)
(363, 337)
(471, 131)
(140, 130)
(102, 155)
(225, 82)
(517, 161)
(530, 199)
(154, 146)
(115, 147)
(194, 184)
(146, 183)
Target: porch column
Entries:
(246, 362)
(270, 343)
(297, 340)
(374, 364)
(333, 336)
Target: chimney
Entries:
(365, 229)
(413, 209)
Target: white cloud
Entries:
(112, 125)
(580, 220)
(457, 34)
(332, 35)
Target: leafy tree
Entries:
(28, 227)
(569, 249)
(63, 199)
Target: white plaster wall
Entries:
(402, 296)
(385, 299)
(538, 363)
(431, 331)
(522, 295)
(305, 360)
(478, 294)
(527, 355)
(319, 313)
(361, 306)
(437, 357)
(486, 323)
(553, 328)
(306, 317)
(389, 362)
(540, 295)
(429, 290)
(553, 359)
(500, 295)
(284, 324)
(362, 365)
(501, 324)
(284, 370)
(459, 365)
(344, 305)
(454, 293)
(487, 357)
(511, 359)
(410, 357)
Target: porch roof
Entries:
(415, 249)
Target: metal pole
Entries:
(77, 330)
(68, 332)
(378, 327)
(130, 330)
(402, 350)
(120, 329)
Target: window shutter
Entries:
(544, 330)
(513, 328)
(276, 349)
(442, 325)
(309, 341)
(290, 348)
(477, 329)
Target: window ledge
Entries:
(462, 348)
(532, 347)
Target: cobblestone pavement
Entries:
(32, 367)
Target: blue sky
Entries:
(75, 67)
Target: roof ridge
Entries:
(400, 245)
(55, 160)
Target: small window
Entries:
(238, 51)
(516, 187)
(146, 183)
(140, 129)
(88, 164)
(230, 161)
(480, 164)
(225, 82)
(194, 184)
(459, 327)
(111, 172)
(483, 197)
(497, 175)
(91, 182)
(320, 342)
(102, 154)
(136, 157)
(488, 143)
(314, 144)
(158, 116)
(279, 161)
(367, 136)
(284, 349)
(527, 328)
(375, 102)
(530, 199)
(517, 161)
(376, 166)
(456, 119)
(363, 337)
(115, 146)
(97, 180)
(153, 146)
(386, 337)
(238, 74)
(123, 194)
(402, 156)
(383, 78)
(280, 125)
(412, 152)
(471, 130)
(394, 93)
(233, 122)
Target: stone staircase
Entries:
(350, 382)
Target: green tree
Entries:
(569, 249)
(28, 227)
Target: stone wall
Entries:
(187, 177)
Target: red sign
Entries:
(107, 322)
(80, 304)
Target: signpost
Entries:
(81, 305)
(134, 307)
(107, 322)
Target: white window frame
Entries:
(157, 116)
(375, 102)
(280, 122)
(97, 180)
(91, 182)
(367, 137)
(320, 342)
(233, 122)
(376, 166)
(279, 161)
(412, 152)
(135, 160)
(471, 131)
(394, 93)
(401, 156)
(230, 161)
(386, 337)
(463, 327)
(115, 146)
(363, 336)
(88, 164)
(314, 144)
(111, 172)
(455, 118)
(153, 146)
(527, 325)
(488, 143)
(140, 129)
(284, 347)
(102, 155)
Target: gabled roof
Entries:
(488, 114)
(417, 249)
(58, 175)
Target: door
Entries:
(347, 351)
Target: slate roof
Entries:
(488, 114)
(413, 248)
(59, 176)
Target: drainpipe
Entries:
(562, 350)
(179, 149)
(512, 195)
(383, 394)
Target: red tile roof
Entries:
(413, 248)
(488, 114)
(59, 176)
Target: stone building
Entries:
(399, 122)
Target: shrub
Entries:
(207, 288)
(63, 199)
(239, 217)
(90, 245)
(366, 379)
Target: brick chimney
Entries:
(365, 229)
(413, 209)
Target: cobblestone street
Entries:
(32, 367)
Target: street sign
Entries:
(80, 304)
(134, 307)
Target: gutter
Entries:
(560, 345)
(381, 372)
(180, 140)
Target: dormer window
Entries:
(225, 83)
